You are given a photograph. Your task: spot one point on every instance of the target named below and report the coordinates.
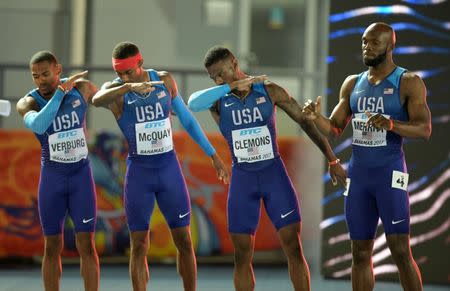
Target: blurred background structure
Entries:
(306, 46)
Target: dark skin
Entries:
(112, 96)
(228, 71)
(46, 76)
(379, 39)
(137, 80)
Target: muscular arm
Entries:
(26, 104)
(186, 118)
(336, 123)
(87, 89)
(39, 120)
(281, 98)
(419, 124)
(110, 93)
(110, 96)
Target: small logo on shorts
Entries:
(183, 215)
(87, 220)
(284, 215)
(397, 221)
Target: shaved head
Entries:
(378, 42)
(384, 30)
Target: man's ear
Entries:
(58, 69)
(235, 63)
(141, 62)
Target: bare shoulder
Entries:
(349, 82)
(412, 86)
(411, 79)
(275, 91)
(82, 83)
(25, 104)
(163, 74)
(272, 86)
(166, 77)
(347, 87)
(169, 82)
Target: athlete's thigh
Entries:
(52, 200)
(361, 210)
(173, 196)
(244, 202)
(393, 198)
(279, 195)
(139, 196)
(82, 199)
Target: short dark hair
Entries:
(215, 54)
(43, 56)
(124, 50)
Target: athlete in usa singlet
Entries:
(66, 185)
(377, 171)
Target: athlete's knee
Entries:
(183, 243)
(400, 250)
(361, 253)
(139, 246)
(53, 246)
(243, 254)
(85, 246)
(292, 248)
(401, 254)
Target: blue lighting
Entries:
(396, 26)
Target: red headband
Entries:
(126, 64)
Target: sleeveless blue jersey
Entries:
(64, 141)
(146, 125)
(248, 126)
(373, 147)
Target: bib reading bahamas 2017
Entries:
(252, 144)
(154, 137)
(366, 135)
(68, 146)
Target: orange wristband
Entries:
(335, 162)
(391, 124)
(62, 89)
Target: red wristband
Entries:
(391, 124)
(335, 162)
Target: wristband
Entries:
(335, 162)
(62, 89)
(391, 124)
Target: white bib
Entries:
(154, 137)
(68, 146)
(365, 135)
(252, 145)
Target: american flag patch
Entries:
(156, 143)
(367, 135)
(161, 94)
(260, 100)
(76, 103)
(388, 91)
(253, 151)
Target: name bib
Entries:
(252, 144)
(154, 137)
(68, 146)
(366, 135)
